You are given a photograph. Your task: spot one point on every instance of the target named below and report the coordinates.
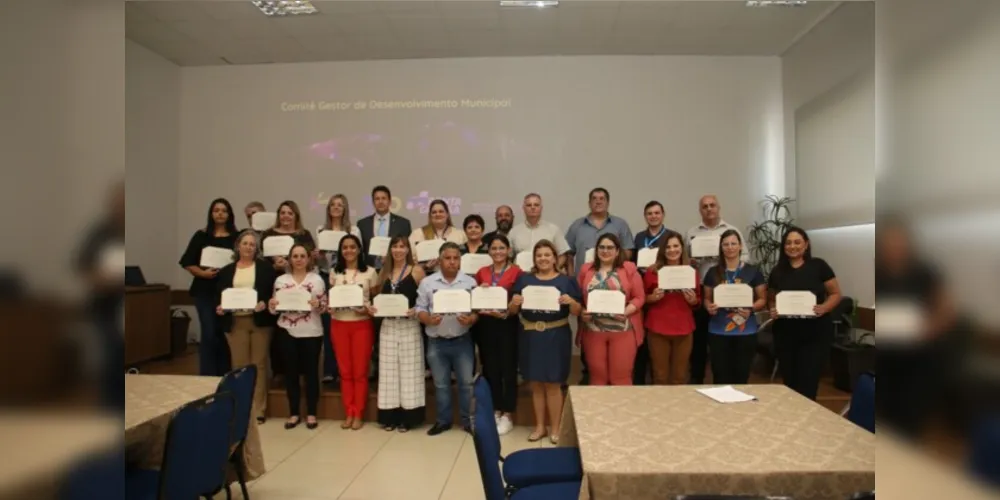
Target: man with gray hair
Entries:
(524, 236)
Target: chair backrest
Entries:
(240, 383)
(486, 439)
(864, 495)
(984, 459)
(862, 410)
(197, 447)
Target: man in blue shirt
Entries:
(449, 343)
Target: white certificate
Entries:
(239, 299)
(606, 302)
(525, 260)
(262, 221)
(489, 298)
(346, 296)
(735, 296)
(451, 302)
(428, 250)
(473, 262)
(588, 256)
(329, 241)
(790, 303)
(113, 260)
(278, 246)
(645, 258)
(676, 278)
(704, 246)
(216, 257)
(899, 321)
(379, 246)
(540, 298)
(293, 299)
(391, 305)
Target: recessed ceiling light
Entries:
(285, 7)
(529, 3)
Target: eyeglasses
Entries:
(607, 248)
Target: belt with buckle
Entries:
(541, 326)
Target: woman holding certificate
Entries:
(209, 250)
(401, 387)
(439, 228)
(545, 299)
(352, 329)
(288, 223)
(338, 221)
(248, 331)
(474, 226)
(803, 292)
(669, 314)
(496, 335)
(611, 337)
(300, 299)
(734, 291)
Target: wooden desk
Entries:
(147, 323)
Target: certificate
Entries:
(525, 260)
(588, 256)
(293, 299)
(791, 303)
(676, 278)
(216, 257)
(428, 250)
(239, 299)
(489, 298)
(346, 296)
(735, 296)
(704, 246)
(645, 258)
(899, 321)
(329, 241)
(606, 302)
(540, 298)
(391, 305)
(113, 260)
(262, 221)
(473, 262)
(451, 302)
(278, 246)
(379, 246)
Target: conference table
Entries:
(656, 442)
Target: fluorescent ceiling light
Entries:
(776, 3)
(285, 7)
(529, 3)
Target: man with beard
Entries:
(505, 220)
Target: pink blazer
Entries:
(635, 294)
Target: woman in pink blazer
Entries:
(610, 341)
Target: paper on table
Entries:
(451, 302)
(704, 246)
(736, 296)
(216, 257)
(489, 298)
(676, 278)
(391, 305)
(239, 299)
(428, 250)
(606, 302)
(262, 221)
(727, 394)
(293, 299)
(379, 246)
(540, 298)
(795, 303)
(346, 296)
(473, 262)
(329, 241)
(278, 246)
(113, 260)
(645, 258)
(525, 260)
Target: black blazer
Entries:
(398, 226)
(263, 283)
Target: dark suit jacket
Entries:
(263, 283)
(398, 226)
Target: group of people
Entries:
(668, 332)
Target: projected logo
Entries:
(352, 151)
(421, 203)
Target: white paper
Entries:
(795, 303)
(239, 299)
(329, 241)
(346, 296)
(899, 321)
(704, 246)
(379, 246)
(606, 302)
(588, 256)
(733, 296)
(262, 221)
(216, 257)
(113, 260)
(676, 278)
(489, 298)
(278, 246)
(525, 260)
(473, 262)
(428, 250)
(645, 258)
(293, 299)
(451, 302)
(390, 305)
(727, 394)
(540, 298)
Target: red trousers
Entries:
(610, 356)
(352, 343)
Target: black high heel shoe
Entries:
(291, 424)
(311, 425)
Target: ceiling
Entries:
(219, 32)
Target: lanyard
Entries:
(650, 242)
(736, 274)
(494, 278)
(395, 284)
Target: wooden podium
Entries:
(147, 323)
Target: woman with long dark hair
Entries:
(669, 316)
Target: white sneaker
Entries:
(504, 425)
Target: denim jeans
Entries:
(213, 355)
(445, 355)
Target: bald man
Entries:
(504, 217)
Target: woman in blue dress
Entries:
(546, 340)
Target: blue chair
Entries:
(489, 471)
(984, 460)
(521, 469)
(240, 383)
(96, 477)
(195, 456)
(862, 406)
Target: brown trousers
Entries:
(668, 355)
(250, 344)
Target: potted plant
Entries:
(764, 236)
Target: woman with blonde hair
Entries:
(439, 227)
(288, 223)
